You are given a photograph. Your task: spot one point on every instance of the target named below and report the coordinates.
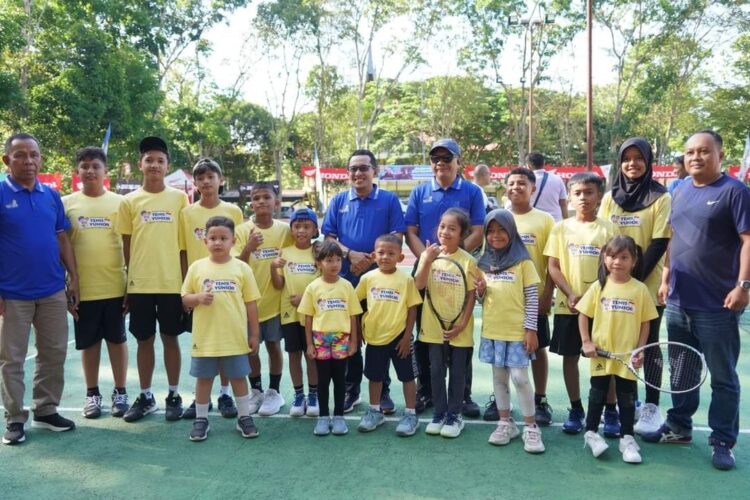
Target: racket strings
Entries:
(447, 293)
(685, 367)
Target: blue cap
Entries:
(304, 214)
(448, 144)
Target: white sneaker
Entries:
(436, 425)
(532, 439)
(504, 432)
(312, 409)
(272, 403)
(629, 449)
(650, 420)
(454, 424)
(594, 441)
(256, 399)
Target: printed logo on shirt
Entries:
(427, 199)
(599, 367)
(156, 216)
(583, 250)
(445, 277)
(199, 233)
(710, 203)
(344, 209)
(94, 222)
(13, 204)
(502, 277)
(385, 294)
(618, 305)
(625, 220)
(528, 239)
(266, 253)
(219, 286)
(301, 267)
(331, 305)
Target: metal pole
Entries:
(589, 91)
(531, 83)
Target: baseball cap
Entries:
(304, 214)
(153, 143)
(448, 144)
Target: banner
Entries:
(125, 186)
(246, 187)
(77, 185)
(565, 173)
(405, 172)
(327, 173)
(52, 180)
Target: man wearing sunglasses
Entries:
(427, 203)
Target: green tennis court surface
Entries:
(154, 458)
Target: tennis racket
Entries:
(446, 294)
(685, 366)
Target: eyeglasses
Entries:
(444, 158)
(359, 168)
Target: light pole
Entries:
(589, 90)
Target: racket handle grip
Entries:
(600, 352)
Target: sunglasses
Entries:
(444, 158)
(359, 168)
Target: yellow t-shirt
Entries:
(220, 329)
(432, 331)
(193, 220)
(389, 297)
(534, 227)
(618, 312)
(330, 304)
(275, 238)
(643, 226)
(504, 306)
(153, 222)
(96, 244)
(577, 245)
(300, 270)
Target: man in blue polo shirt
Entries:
(427, 203)
(33, 243)
(355, 218)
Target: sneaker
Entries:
(650, 420)
(298, 405)
(434, 427)
(386, 404)
(92, 407)
(454, 424)
(272, 403)
(351, 400)
(532, 439)
(256, 399)
(574, 424)
(543, 413)
(630, 450)
(371, 420)
(611, 424)
(470, 409)
(226, 405)
(491, 413)
(189, 414)
(200, 430)
(665, 434)
(504, 432)
(246, 426)
(54, 422)
(142, 406)
(423, 402)
(119, 404)
(722, 457)
(312, 410)
(594, 441)
(14, 433)
(408, 425)
(338, 426)
(322, 426)
(173, 409)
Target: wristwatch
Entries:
(744, 284)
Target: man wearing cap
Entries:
(149, 222)
(355, 219)
(34, 248)
(427, 203)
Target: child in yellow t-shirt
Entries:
(508, 291)
(621, 308)
(222, 293)
(387, 327)
(330, 307)
(291, 272)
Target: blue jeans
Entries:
(716, 334)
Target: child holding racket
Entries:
(621, 308)
(447, 272)
(507, 289)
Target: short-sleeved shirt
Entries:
(299, 271)
(432, 331)
(389, 297)
(330, 304)
(220, 329)
(577, 246)
(504, 305)
(548, 198)
(275, 238)
(675, 183)
(193, 219)
(705, 248)
(429, 201)
(96, 244)
(534, 228)
(357, 222)
(618, 312)
(30, 221)
(643, 226)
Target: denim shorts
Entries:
(504, 354)
(237, 366)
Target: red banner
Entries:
(327, 173)
(52, 180)
(565, 173)
(77, 185)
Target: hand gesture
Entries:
(431, 252)
(279, 262)
(205, 298)
(254, 241)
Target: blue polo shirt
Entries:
(30, 266)
(429, 201)
(357, 222)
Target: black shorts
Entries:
(99, 320)
(566, 337)
(378, 356)
(542, 331)
(148, 308)
(294, 337)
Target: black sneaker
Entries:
(351, 400)
(200, 430)
(470, 409)
(142, 406)
(54, 422)
(543, 413)
(226, 406)
(386, 404)
(173, 410)
(189, 414)
(491, 413)
(14, 433)
(423, 402)
(246, 426)
(119, 404)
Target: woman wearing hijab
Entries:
(640, 207)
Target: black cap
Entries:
(153, 143)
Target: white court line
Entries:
(32, 356)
